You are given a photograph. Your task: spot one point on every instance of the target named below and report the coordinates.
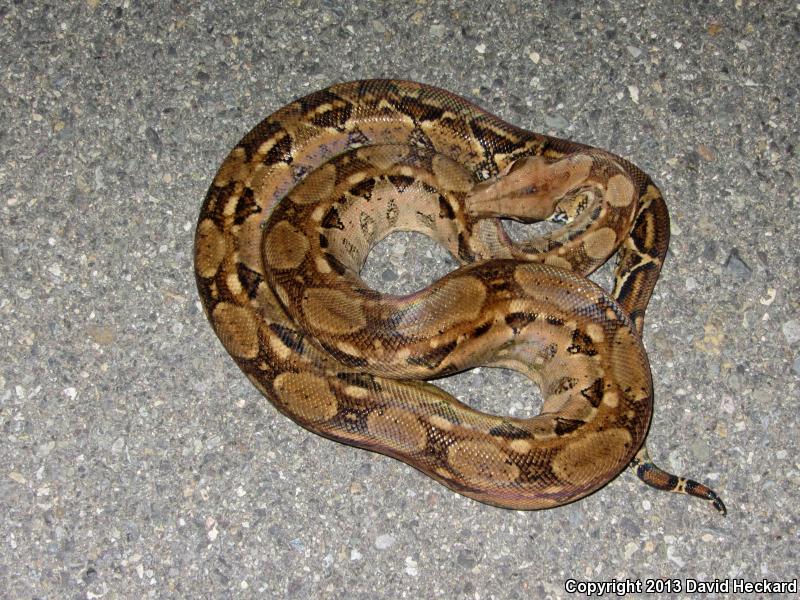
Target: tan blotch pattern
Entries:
(307, 395)
(440, 423)
(323, 266)
(233, 169)
(211, 248)
(384, 156)
(557, 261)
(285, 246)
(249, 247)
(333, 311)
(318, 185)
(611, 399)
(534, 278)
(481, 461)
(599, 244)
(625, 353)
(281, 350)
(451, 175)
(528, 277)
(520, 446)
(401, 428)
(237, 329)
(456, 301)
(595, 332)
(591, 456)
(620, 191)
(233, 283)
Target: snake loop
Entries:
(295, 209)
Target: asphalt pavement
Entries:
(138, 462)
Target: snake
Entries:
(292, 214)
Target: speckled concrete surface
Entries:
(137, 461)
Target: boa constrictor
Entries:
(296, 207)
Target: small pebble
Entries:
(411, 567)
(736, 266)
(555, 122)
(437, 30)
(791, 331)
(634, 51)
(384, 541)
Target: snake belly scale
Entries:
(297, 205)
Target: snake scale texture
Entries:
(297, 205)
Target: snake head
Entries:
(529, 188)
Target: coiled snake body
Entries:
(287, 225)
